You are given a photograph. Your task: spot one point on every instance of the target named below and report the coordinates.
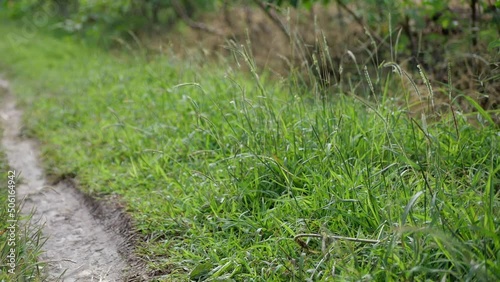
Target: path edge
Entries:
(108, 210)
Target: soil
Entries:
(80, 246)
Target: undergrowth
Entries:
(241, 179)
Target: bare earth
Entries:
(78, 247)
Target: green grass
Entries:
(221, 173)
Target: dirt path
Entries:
(79, 247)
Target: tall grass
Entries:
(239, 178)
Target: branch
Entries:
(273, 16)
(179, 10)
(360, 22)
(473, 16)
(334, 237)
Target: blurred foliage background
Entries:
(91, 16)
(330, 39)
